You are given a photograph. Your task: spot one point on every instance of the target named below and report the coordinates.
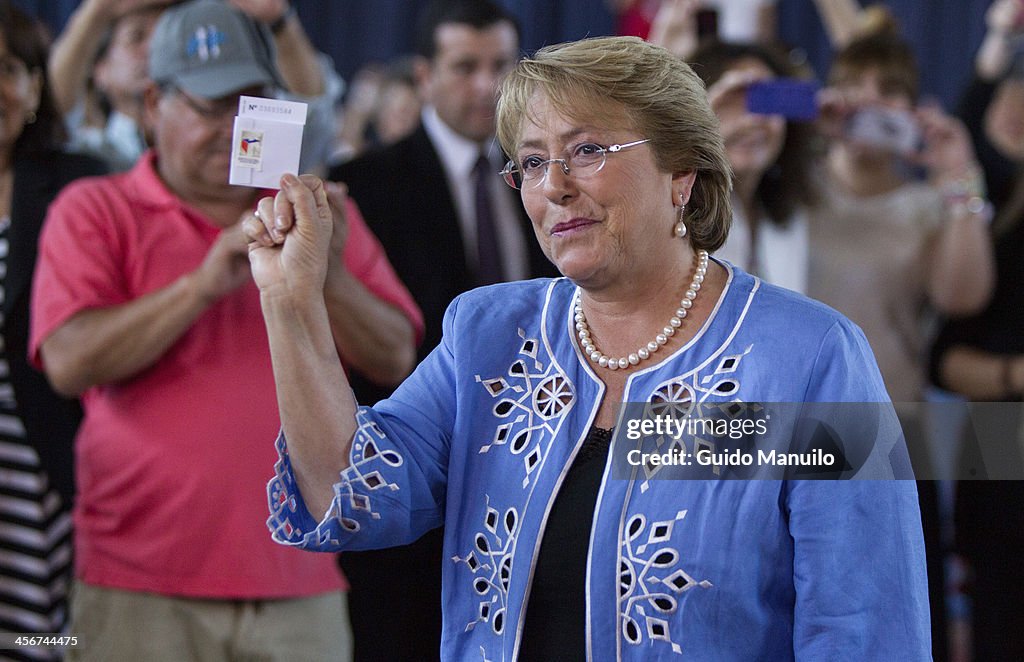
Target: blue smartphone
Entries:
(793, 98)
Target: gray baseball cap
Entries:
(210, 49)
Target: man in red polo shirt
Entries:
(145, 307)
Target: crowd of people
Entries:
(447, 317)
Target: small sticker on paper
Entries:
(249, 149)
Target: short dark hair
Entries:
(886, 51)
(28, 41)
(478, 14)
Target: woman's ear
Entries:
(682, 186)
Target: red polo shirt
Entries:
(172, 464)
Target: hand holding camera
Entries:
(926, 136)
(873, 125)
(947, 152)
(887, 129)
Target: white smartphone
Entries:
(886, 128)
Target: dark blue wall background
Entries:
(945, 33)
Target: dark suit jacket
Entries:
(403, 194)
(50, 420)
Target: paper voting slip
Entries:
(267, 141)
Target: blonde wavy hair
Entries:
(627, 80)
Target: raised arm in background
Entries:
(1004, 21)
(675, 27)
(842, 20)
(75, 50)
(962, 271)
(296, 58)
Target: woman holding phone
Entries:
(890, 250)
(886, 246)
(771, 161)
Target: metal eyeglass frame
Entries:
(511, 168)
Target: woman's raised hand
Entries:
(675, 27)
(289, 239)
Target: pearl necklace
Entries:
(645, 352)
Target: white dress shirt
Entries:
(458, 157)
(781, 255)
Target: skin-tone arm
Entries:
(103, 345)
(962, 274)
(841, 19)
(296, 58)
(1004, 20)
(371, 336)
(674, 27)
(290, 268)
(74, 51)
(962, 271)
(767, 23)
(360, 104)
(983, 375)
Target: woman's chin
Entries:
(574, 266)
(586, 275)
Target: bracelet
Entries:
(970, 184)
(974, 206)
(277, 27)
(966, 196)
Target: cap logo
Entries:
(205, 43)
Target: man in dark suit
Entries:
(418, 194)
(448, 224)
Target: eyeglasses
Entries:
(211, 110)
(585, 160)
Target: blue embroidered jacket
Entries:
(481, 435)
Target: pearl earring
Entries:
(680, 227)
